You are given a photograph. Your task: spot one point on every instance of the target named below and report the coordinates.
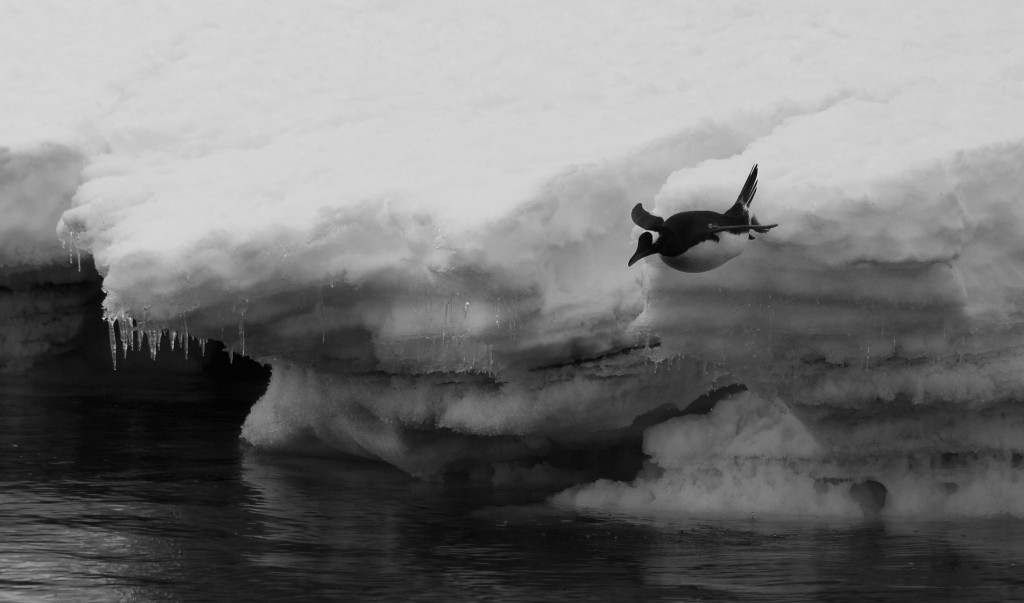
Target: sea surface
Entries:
(146, 493)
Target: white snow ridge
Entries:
(418, 214)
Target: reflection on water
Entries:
(113, 496)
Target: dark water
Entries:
(108, 495)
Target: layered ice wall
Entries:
(419, 215)
(42, 302)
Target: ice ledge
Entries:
(433, 423)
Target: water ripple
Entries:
(136, 500)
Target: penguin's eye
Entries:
(710, 225)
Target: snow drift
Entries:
(419, 215)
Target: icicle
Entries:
(122, 322)
(323, 325)
(231, 355)
(174, 339)
(113, 342)
(447, 317)
(241, 309)
(184, 336)
(78, 249)
(513, 322)
(153, 337)
(202, 347)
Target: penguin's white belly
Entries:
(708, 255)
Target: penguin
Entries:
(698, 241)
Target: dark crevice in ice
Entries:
(653, 343)
(870, 495)
(43, 311)
(705, 403)
(622, 458)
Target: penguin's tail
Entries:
(742, 206)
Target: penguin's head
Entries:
(644, 248)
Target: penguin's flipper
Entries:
(762, 228)
(746, 195)
(645, 220)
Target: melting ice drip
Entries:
(71, 241)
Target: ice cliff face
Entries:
(419, 215)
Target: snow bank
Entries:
(418, 213)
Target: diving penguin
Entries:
(698, 241)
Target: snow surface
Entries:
(419, 214)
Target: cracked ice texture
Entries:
(427, 188)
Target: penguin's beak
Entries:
(644, 248)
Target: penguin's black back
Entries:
(686, 229)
